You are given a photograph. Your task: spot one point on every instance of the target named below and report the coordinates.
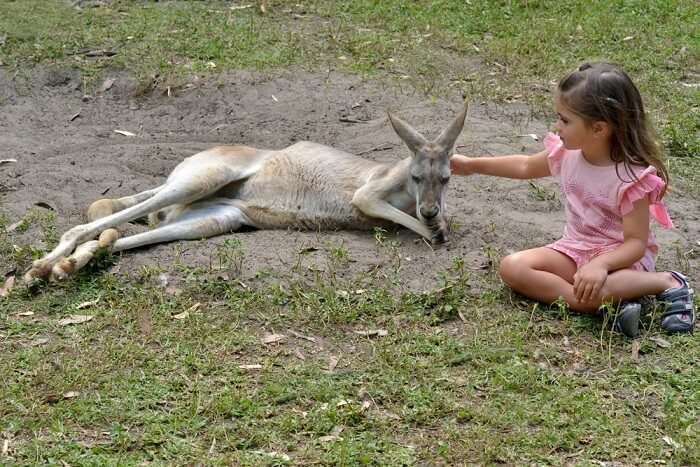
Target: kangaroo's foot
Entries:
(57, 267)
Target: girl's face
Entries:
(573, 130)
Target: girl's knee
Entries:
(511, 269)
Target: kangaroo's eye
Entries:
(415, 178)
(444, 180)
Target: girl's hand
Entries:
(588, 282)
(460, 165)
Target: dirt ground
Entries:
(68, 155)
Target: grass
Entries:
(512, 383)
(525, 388)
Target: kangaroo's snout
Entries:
(429, 212)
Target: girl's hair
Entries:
(603, 91)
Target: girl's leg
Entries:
(542, 274)
(626, 284)
(545, 274)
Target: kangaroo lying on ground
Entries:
(304, 186)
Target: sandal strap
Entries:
(677, 308)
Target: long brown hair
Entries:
(603, 91)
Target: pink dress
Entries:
(595, 199)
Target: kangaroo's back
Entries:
(307, 185)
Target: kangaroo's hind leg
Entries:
(195, 178)
(86, 251)
(202, 219)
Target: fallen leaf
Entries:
(100, 53)
(26, 313)
(14, 226)
(39, 341)
(173, 291)
(250, 367)
(627, 38)
(44, 205)
(272, 338)
(71, 394)
(182, 315)
(332, 362)
(163, 280)
(365, 397)
(186, 313)
(88, 304)
(7, 286)
(74, 116)
(299, 354)
(5, 447)
(660, 341)
(329, 438)
(274, 454)
(125, 133)
(301, 336)
(74, 319)
(635, 350)
(274, 98)
(671, 442)
(530, 135)
(7, 161)
(108, 83)
(240, 7)
(342, 293)
(461, 316)
(373, 332)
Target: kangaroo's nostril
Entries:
(429, 213)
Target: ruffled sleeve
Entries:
(649, 185)
(556, 150)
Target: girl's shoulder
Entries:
(554, 145)
(643, 183)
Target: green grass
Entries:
(510, 384)
(528, 387)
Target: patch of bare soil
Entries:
(69, 155)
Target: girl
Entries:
(612, 181)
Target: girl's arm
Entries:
(516, 166)
(589, 280)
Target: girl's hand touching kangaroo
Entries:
(460, 165)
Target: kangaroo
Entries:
(304, 186)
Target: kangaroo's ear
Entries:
(449, 135)
(414, 140)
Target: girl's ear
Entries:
(601, 128)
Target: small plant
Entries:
(379, 235)
(229, 256)
(540, 193)
(339, 254)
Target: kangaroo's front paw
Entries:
(438, 238)
(440, 233)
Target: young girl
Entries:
(612, 181)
